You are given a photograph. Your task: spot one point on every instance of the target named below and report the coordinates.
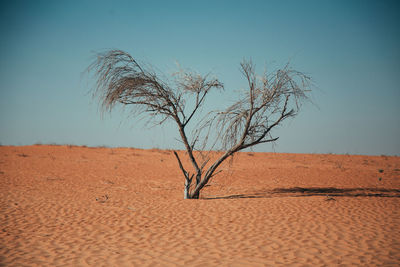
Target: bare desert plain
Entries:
(83, 206)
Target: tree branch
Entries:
(185, 173)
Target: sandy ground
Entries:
(79, 206)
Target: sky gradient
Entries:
(351, 49)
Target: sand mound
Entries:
(79, 206)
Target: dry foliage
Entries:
(269, 100)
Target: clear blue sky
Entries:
(350, 48)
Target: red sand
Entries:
(78, 206)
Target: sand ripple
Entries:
(54, 213)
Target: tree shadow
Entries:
(316, 191)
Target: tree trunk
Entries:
(186, 194)
(196, 196)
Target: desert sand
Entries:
(82, 206)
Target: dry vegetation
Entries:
(270, 99)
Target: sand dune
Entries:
(79, 206)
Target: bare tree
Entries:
(268, 101)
